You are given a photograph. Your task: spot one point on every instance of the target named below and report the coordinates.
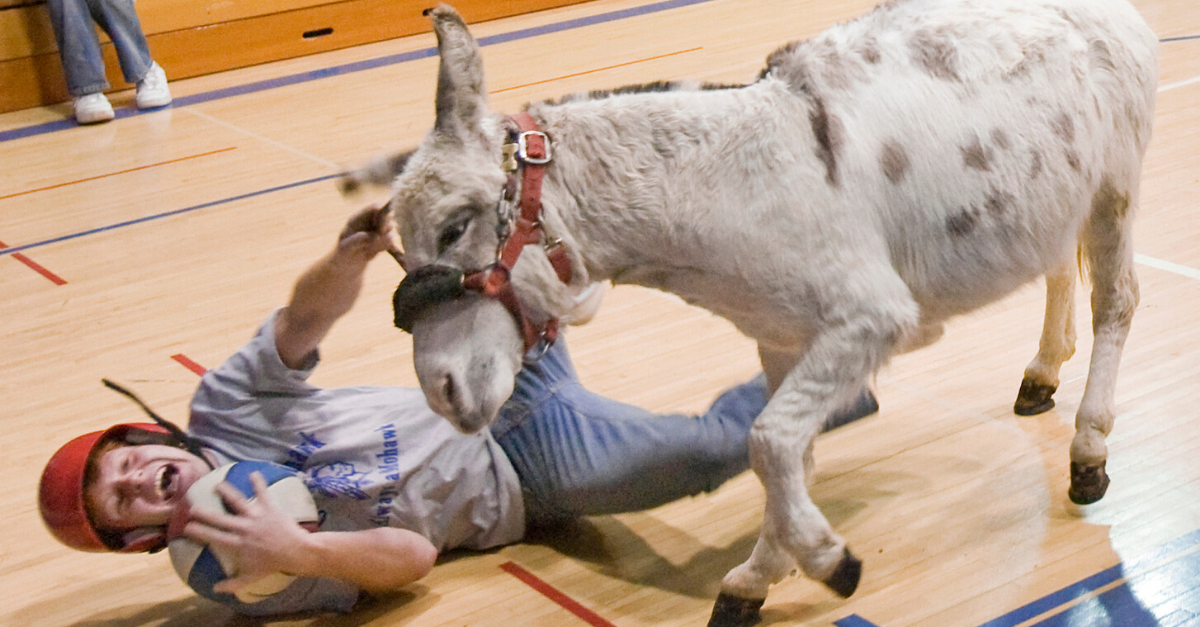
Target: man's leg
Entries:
(578, 453)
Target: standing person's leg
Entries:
(78, 47)
(120, 20)
(578, 453)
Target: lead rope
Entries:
(188, 442)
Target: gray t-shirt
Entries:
(372, 456)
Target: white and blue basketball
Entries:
(201, 566)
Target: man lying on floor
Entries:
(395, 483)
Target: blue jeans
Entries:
(580, 454)
(79, 47)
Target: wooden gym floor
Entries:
(150, 247)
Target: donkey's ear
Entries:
(379, 172)
(461, 96)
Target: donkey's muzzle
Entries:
(424, 288)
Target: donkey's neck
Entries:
(647, 180)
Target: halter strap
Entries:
(527, 152)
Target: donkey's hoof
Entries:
(1088, 483)
(1034, 398)
(734, 611)
(844, 579)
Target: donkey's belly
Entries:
(950, 273)
(754, 309)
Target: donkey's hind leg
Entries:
(1109, 251)
(1057, 345)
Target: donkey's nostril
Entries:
(449, 390)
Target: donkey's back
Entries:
(977, 135)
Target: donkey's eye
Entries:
(451, 234)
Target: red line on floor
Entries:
(36, 267)
(549, 80)
(92, 178)
(189, 364)
(554, 594)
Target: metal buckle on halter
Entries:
(505, 218)
(523, 148)
(509, 153)
(504, 214)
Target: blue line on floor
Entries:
(1118, 600)
(1175, 593)
(1057, 599)
(167, 214)
(1183, 38)
(1168, 594)
(359, 66)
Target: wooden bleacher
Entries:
(194, 37)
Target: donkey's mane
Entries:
(640, 88)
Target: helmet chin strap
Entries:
(188, 442)
(144, 540)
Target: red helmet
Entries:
(60, 493)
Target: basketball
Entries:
(201, 566)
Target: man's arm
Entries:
(263, 540)
(327, 290)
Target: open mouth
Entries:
(165, 482)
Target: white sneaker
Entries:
(152, 90)
(92, 108)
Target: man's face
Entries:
(139, 486)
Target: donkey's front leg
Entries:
(792, 524)
(833, 370)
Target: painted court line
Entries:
(1069, 607)
(165, 214)
(1168, 266)
(559, 78)
(1169, 87)
(189, 364)
(93, 178)
(1054, 607)
(264, 139)
(554, 594)
(33, 265)
(404, 57)
(359, 66)
(1057, 599)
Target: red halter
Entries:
(527, 151)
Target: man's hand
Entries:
(327, 290)
(261, 538)
(370, 232)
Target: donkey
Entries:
(915, 164)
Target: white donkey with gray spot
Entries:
(914, 164)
